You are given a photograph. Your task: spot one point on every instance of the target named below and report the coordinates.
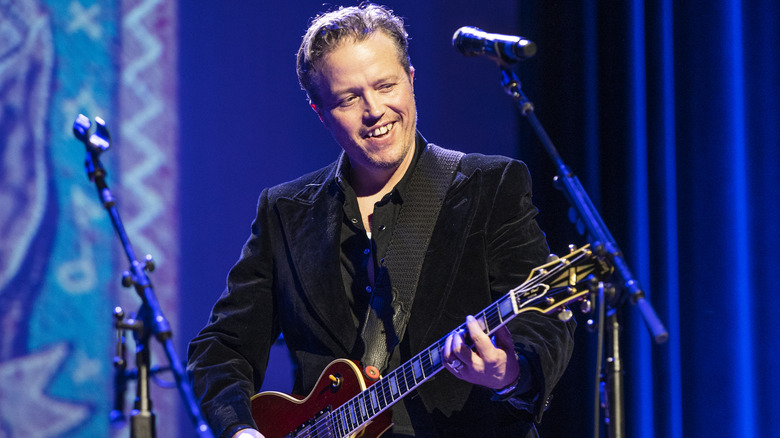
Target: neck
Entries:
(373, 182)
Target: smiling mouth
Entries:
(382, 130)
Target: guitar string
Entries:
(328, 423)
(490, 315)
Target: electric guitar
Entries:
(345, 404)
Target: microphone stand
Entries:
(149, 320)
(603, 242)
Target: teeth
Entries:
(381, 131)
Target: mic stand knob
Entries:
(117, 417)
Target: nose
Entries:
(373, 108)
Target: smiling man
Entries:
(375, 258)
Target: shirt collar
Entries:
(343, 168)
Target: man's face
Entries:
(367, 103)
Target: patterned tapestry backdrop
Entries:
(60, 261)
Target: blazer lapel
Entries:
(311, 221)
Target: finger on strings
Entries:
(482, 342)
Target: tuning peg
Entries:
(565, 315)
(586, 306)
(552, 258)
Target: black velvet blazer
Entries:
(485, 242)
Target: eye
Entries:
(387, 87)
(347, 101)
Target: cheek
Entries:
(346, 121)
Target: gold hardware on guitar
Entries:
(335, 380)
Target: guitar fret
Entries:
(377, 392)
(374, 400)
(402, 381)
(342, 421)
(360, 410)
(492, 318)
(334, 421)
(417, 371)
(394, 386)
(436, 354)
(363, 410)
(482, 322)
(505, 308)
(353, 420)
(385, 392)
(366, 400)
(406, 370)
(347, 423)
(425, 360)
(428, 367)
(432, 354)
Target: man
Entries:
(315, 260)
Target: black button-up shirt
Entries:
(357, 248)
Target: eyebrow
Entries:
(384, 79)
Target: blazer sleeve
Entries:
(228, 358)
(515, 246)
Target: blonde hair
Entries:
(355, 23)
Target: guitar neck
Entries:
(395, 385)
(549, 289)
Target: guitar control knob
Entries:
(565, 315)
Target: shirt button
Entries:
(367, 251)
(369, 289)
(382, 227)
(354, 221)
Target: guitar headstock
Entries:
(551, 287)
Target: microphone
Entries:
(505, 49)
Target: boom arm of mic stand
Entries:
(599, 234)
(154, 321)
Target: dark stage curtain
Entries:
(669, 112)
(666, 111)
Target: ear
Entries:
(318, 111)
(411, 73)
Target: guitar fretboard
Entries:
(354, 414)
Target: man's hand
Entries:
(493, 366)
(248, 433)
